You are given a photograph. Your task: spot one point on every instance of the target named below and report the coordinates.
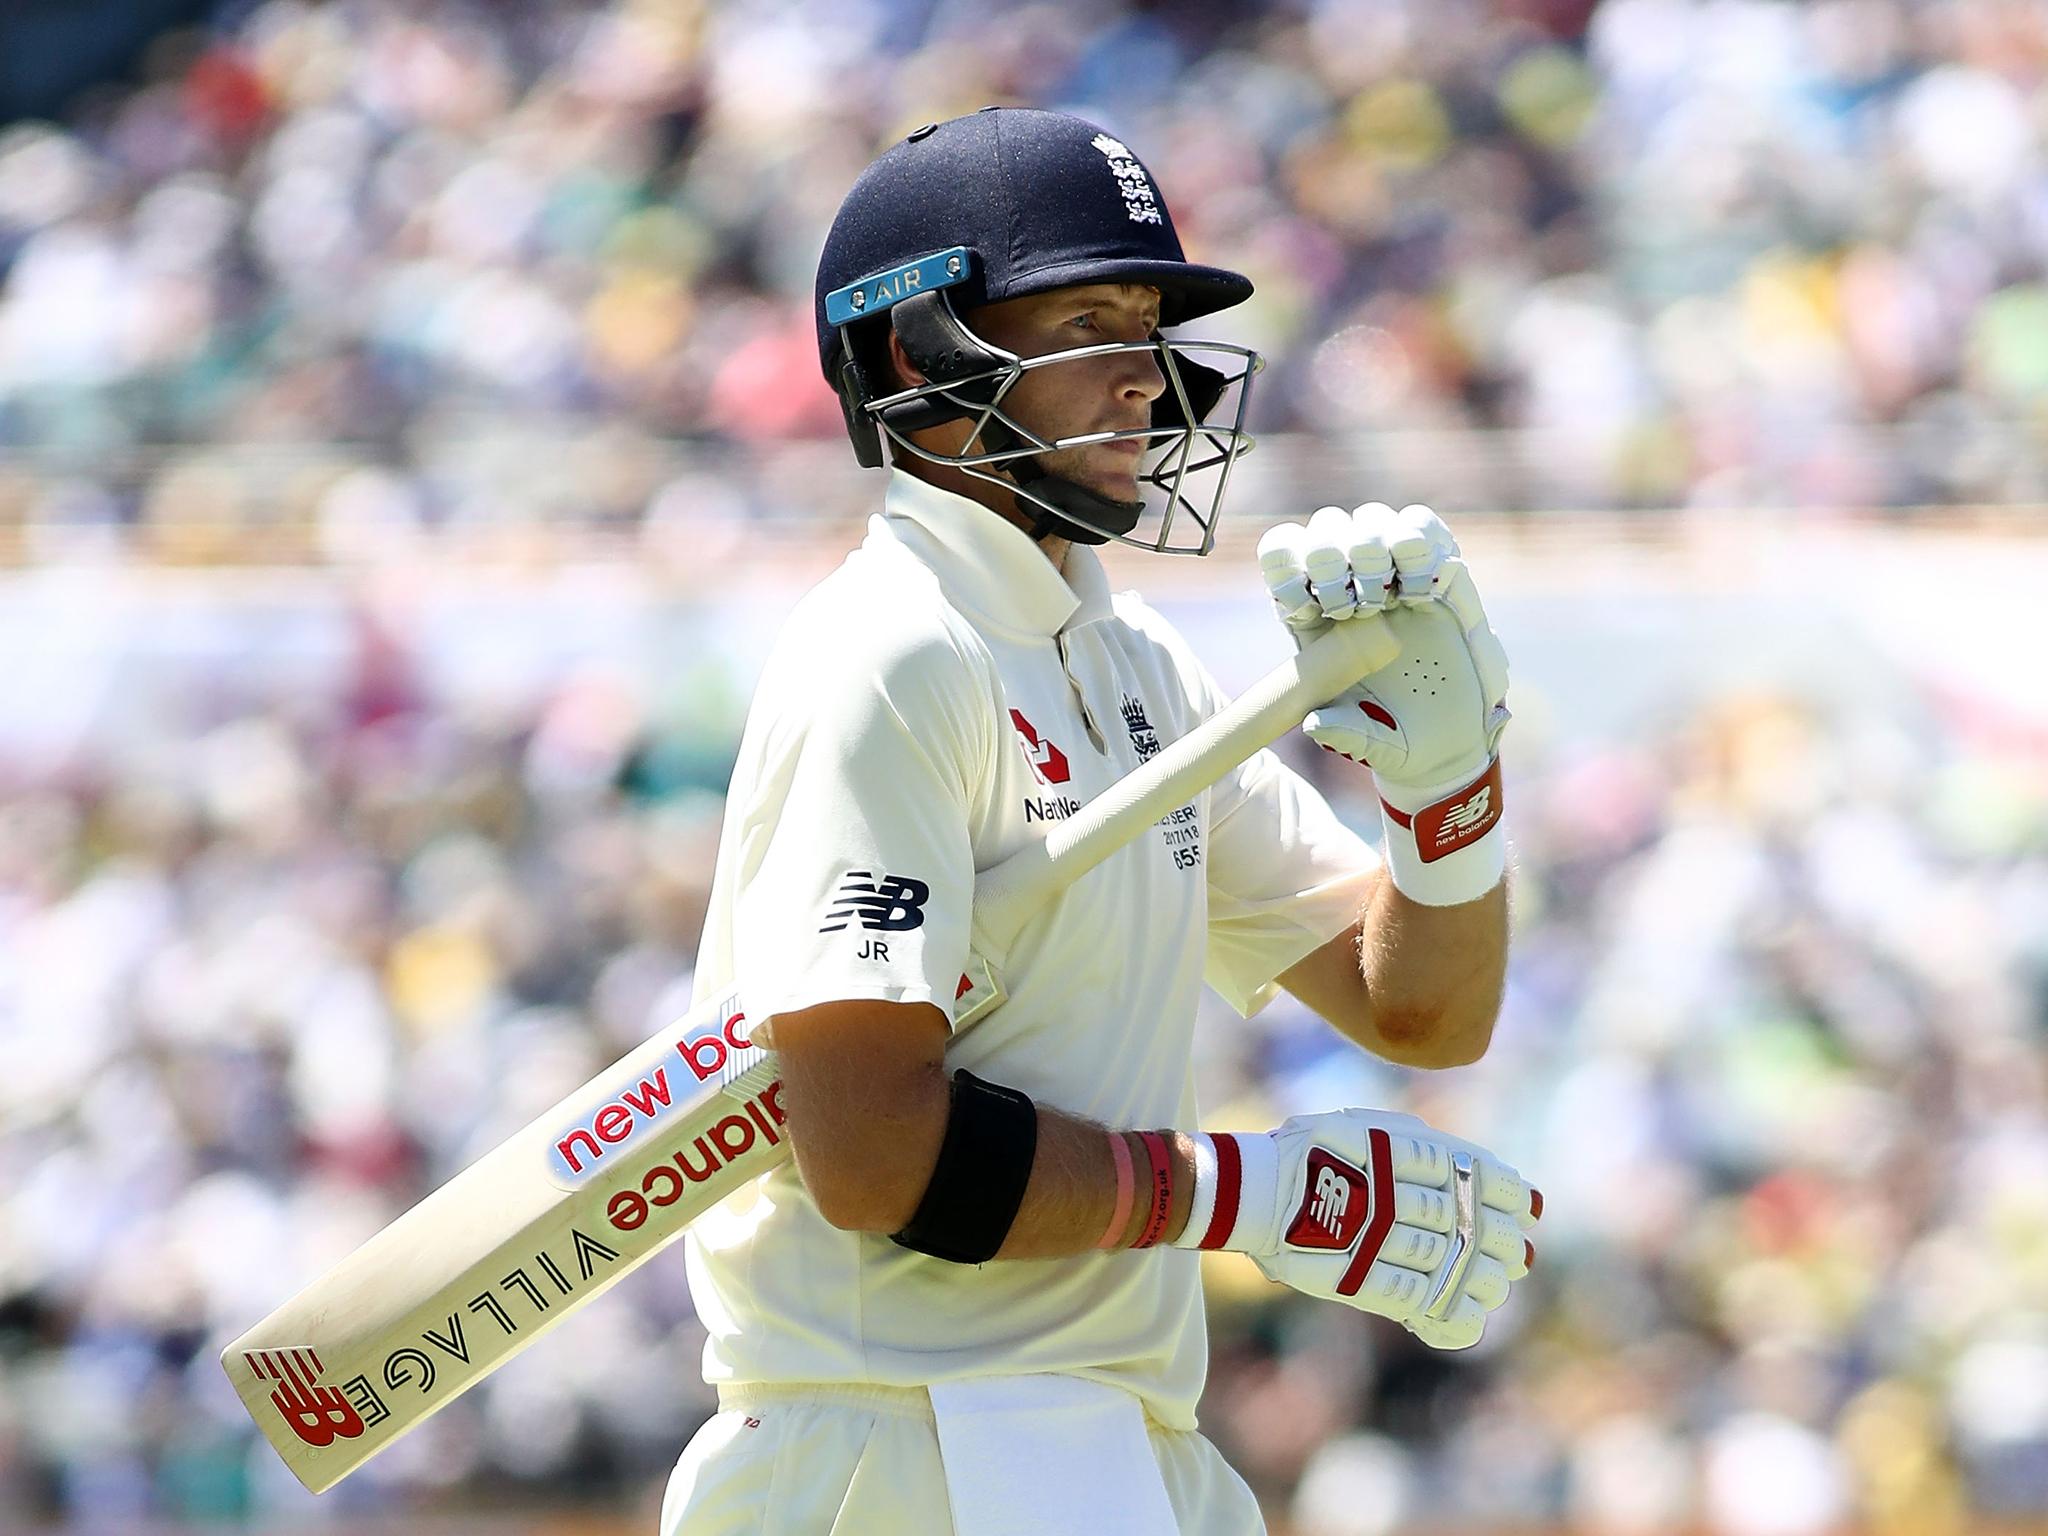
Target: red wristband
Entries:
(1160, 1191)
(1120, 1150)
(1229, 1187)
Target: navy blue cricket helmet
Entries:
(996, 205)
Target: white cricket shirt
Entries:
(929, 706)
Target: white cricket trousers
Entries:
(827, 1460)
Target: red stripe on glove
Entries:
(1381, 1147)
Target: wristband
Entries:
(1120, 1151)
(1160, 1190)
(1202, 1206)
(1445, 845)
(1241, 1163)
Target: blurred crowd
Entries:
(280, 959)
(1640, 253)
(353, 280)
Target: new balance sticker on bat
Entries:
(317, 1413)
(884, 903)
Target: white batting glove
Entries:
(1376, 1210)
(1429, 723)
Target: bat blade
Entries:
(536, 1228)
(558, 1213)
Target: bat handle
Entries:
(1006, 895)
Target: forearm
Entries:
(1432, 976)
(1073, 1189)
(868, 1098)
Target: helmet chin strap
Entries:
(1110, 517)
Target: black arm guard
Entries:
(978, 1182)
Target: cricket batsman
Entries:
(972, 1303)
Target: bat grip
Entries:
(1006, 895)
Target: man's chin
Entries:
(1117, 484)
(1112, 484)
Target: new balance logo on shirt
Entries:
(885, 904)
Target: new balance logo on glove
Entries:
(1467, 814)
(1333, 1206)
(1461, 818)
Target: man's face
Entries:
(1097, 394)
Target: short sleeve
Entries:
(857, 873)
(1285, 877)
(1285, 874)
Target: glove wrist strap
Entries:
(1236, 1184)
(1445, 845)
(1202, 1205)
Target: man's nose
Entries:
(1141, 378)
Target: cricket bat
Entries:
(558, 1213)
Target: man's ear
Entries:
(903, 375)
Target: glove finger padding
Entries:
(1327, 560)
(1332, 569)
(1501, 1244)
(1504, 1239)
(1283, 562)
(1429, 1213)
(1461, 1330)
(1420, 543)
(1388, 1289)
(1486, 1282)
(1424, 1158)
(1371, 559)
(1415, 1248)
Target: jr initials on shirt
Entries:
(883, 904)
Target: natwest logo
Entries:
(1050, 807)
(1047, 760)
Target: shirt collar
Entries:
(989, 566)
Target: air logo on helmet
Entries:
(1140, 201)
(876, 292)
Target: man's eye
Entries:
(1087, 320)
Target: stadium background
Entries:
(410, 437)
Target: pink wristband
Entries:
(1159, 1190)
(1126, 1182)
